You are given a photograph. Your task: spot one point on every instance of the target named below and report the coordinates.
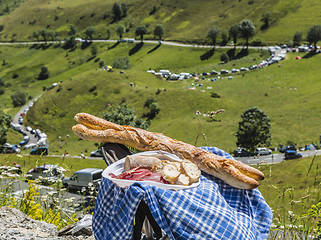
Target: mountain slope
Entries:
(183, 20)
(288, 93)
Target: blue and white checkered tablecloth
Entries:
(213, 210)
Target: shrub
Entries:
(1, 82)
(215, 95)
(18, 99)
(1, 91)
(15, 75)
(94, 50)
(224, 57)
(102, 63)
(44, 73)
(93, 88)
(153, 108)
(121, 63)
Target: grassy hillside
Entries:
(291, 188)
(288, 93)
(182, 20)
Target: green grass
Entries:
(287, 92)
(183, 20)
(292, 185)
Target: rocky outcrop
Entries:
(16, 225)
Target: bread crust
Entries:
(233, 172)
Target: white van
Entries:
(165, 72)
(16, 127)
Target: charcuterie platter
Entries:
(117, 168)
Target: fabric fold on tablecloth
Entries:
(213, 210)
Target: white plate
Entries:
(118, 168)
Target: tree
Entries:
(44, 34)
(159, 31)
(124, 115)
(120, 30)
(233, 33)
(51, 34)
(44, 73)
(5, 121)
(71, 42)
(90, 31)
(254, 129)
(247, 30)
(94, 50)
(108, 33)
(297, 38)
(212, 34)
(224, 57)
(124, 9)
(116, 12)
(72, 30)
(141, 31)
(18, 99)
(153, 108)
(224, 38)
(314, 35)
(121, 63)
(266, 19)
(36, 35)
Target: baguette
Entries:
(234, 173)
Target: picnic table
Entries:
(212, 210)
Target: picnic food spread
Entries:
(153, 168)
(234, 173)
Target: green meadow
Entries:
(287, 92)
(183, 20)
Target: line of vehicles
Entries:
(290, 152)
(41, 147)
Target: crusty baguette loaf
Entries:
(233, 172)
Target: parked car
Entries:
(8, 148)
(291, 154)
(243, 69)
(81, 179)
(23, 142)
(16, 127)
(224, 71)
(213, 72)
(242, 152)
(31, 146)
(263, 151)
(47, 173)
(28, 128)
(283, 149)
(39, 151)
(96, 153)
